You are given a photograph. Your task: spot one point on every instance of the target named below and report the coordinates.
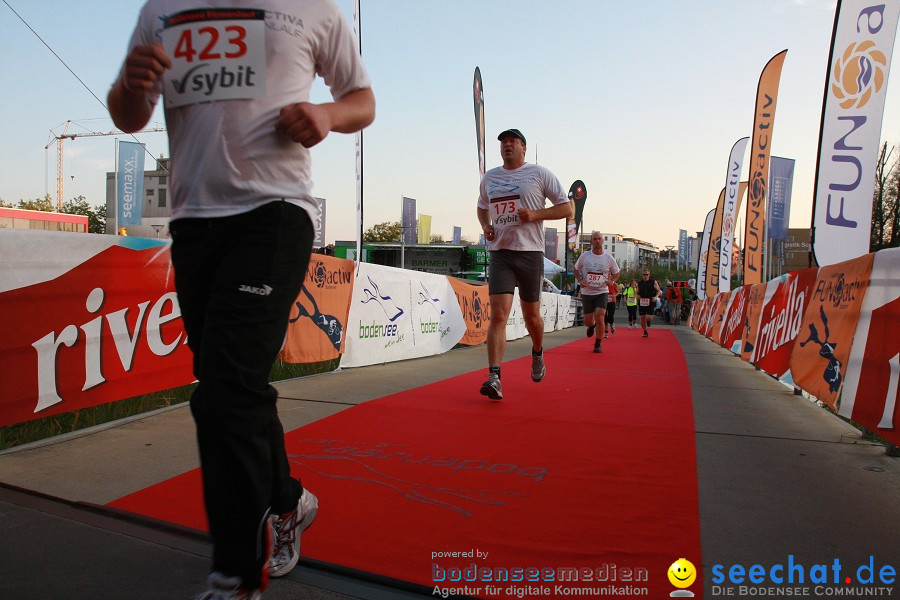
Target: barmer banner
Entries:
(734, 191)
(760, 149)
(129, 183)
(855, 88)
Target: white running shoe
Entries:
(286, 530)
(220, 587)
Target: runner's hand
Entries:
(144, 65)
(527, 215)
(305, 123)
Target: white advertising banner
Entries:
(731, 207)
(563, 306)
(852, 113)
(549, 304)
(515, 323)
(396, 314)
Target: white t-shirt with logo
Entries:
(235, 67)
(596, 271)
(504, 191)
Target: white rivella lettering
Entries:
(149, 321)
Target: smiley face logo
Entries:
(682, 573)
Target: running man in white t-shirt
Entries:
(511, 211)
(235, 84)
(594, 271)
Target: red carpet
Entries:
(594, 468)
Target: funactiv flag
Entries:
(733, 193)
(852, 112)
(760, 149)
(715, 241)
(704, 254)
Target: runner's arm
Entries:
(131, 100)
(484, 217)
(557, 211)
(308, 124)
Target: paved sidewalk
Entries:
(778, 476)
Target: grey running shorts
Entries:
(592, 302)
(511, 268)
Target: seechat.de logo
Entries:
(858, 74)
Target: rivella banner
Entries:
(786, 300)
(734, 190)
(870, 391)
(760, 149)
(129, 183)
(852, 112)
(86, 320)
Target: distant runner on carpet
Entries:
(595, 271)
(511, 212)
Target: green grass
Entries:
(46, 427)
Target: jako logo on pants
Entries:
(263, 291)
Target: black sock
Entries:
(538, 353)
(495, 369)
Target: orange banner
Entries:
(760, 149)
(754, 309)
(822, 347)
(474, 302)
(319, 316)
(715, 332)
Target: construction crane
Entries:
(58, 139)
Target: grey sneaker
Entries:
(492, 388)
(285, 531)
(220, 587)
(538, 369)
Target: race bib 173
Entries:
(504, 211)
(217, 54)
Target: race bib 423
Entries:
(216, 55)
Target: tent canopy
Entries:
(551, 268)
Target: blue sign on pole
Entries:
(129, 183)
